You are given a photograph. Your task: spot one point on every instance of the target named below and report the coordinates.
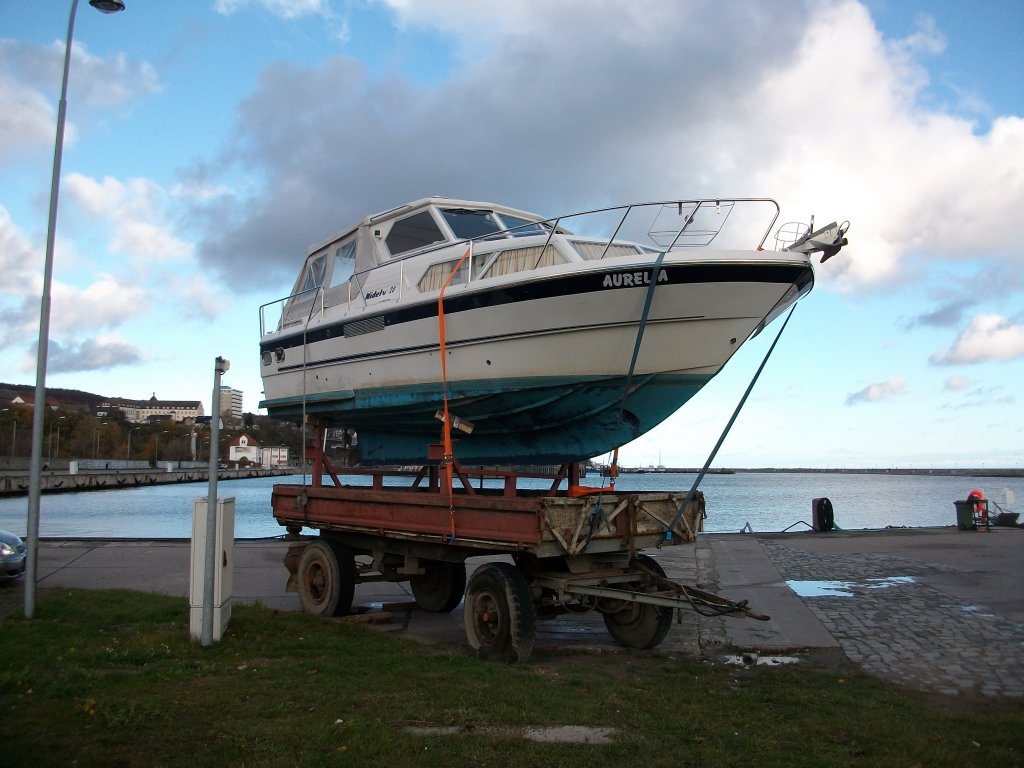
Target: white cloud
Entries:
(99, 198)
(336, 25)
(987, 337)
(198, 189)
(75, 313)
(957, 383)
(574, 104)
(138, 209)
(199, 296)
(25, 119)
(16, 258)
(85, 301)
(105, 303)
(882, 390)
(285, 9)
(30, 73)
(145, 240)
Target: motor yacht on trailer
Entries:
(545, 345)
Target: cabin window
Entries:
(314, 274)
(522, 227)
(433, 279)
(470, 224)
(344, 263)
(519, 260)
(467, 224)
(413, 232)
(594, 251)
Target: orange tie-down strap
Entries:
(445, 431)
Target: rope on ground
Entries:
(794, 525)
(713, 605)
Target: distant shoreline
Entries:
(928, 472)
(973, 472)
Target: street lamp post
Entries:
(58, 435)
(128, 454)
(156, 450)
(35, 466)
(96, 450)
(56, 421)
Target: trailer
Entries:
(572, 550)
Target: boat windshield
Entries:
(468, 224)
(314, 275)
(523, 227)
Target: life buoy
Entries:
(980, 505)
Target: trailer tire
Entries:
(640, 625)
(441, 587)
(326, 578)
(499, 616)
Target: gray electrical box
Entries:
(224, 568)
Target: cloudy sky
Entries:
(210, 143)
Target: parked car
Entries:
(12, 556)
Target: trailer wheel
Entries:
(640, 625)
(440, 589)
(499, 616)
(326, 578)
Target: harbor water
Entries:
(763, 502)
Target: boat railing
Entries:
(710, 216)
(654, 226)
(273, 313)
(699, 223)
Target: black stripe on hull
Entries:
(802, 276)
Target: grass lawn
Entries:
(110, 678)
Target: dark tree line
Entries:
(70, 434)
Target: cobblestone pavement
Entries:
(903, 630)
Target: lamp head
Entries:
(107, 6)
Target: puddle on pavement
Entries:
(974, 610)
(821, 588)
(751, 659)
(844, 588)
(889, 581)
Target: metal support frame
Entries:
(670, 594)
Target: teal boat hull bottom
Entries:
(522, 422)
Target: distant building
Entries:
(244, 447)
(274, 456)
(52, 404)
(231, 402)
(146, 411)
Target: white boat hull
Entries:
(541, 366)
